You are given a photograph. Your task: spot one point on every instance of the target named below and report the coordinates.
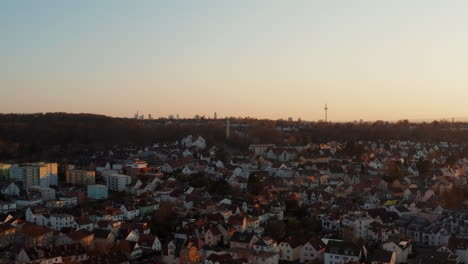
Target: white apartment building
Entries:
(117, 182)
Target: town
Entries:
(188, 201)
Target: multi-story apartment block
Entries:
(81, 177)
(117, 182)
(35, 174)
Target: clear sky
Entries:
(368, 59)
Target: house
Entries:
(213, 236)
(243, 240)
(265, 257)
(239, 222)
(110, 214)
(129, 211)
(312, 250)
(172, 255)
(59, 221)
(10, 189)
(379, 256)
(282, 154)
(29, 255)
(436, 257)
(176, 165)
(401, 245)
(356, 225)
(7, 235)
(131, 249)
(115, 256)
(149, 242)
(83, 222)
(331, 222)
(456, 246)
(103, 239)
(290, 249)
(266, 244)
(338, 252)
(36, 235)
(189, 252)
(224, 258)
(380, 233)
(6, 207)
(64, 254)
(84, 237)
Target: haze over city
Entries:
(234, 132)
(368, 60)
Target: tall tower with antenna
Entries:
(326, 113)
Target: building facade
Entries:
(98, 191)
(81, 177)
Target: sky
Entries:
(366, 59)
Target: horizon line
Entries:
(206, 117)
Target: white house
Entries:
(11, 190)
(312, 250)
(59, 221)
(149, 242)
(338, 252)
(129, 211)
(289, 249)
(265, 257)
(267, 244)
(213, 236)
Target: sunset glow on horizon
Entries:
(370, 60)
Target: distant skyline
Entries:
(366, 59)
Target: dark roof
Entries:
(436, 257)
(316, 242)
(458, 243)
(343, 248)
(101, 233)
(64, 251)
(242, 237)
(380, 255)
(292, 241)
(34, 230)
(110, 258)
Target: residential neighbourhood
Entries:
(190, 202)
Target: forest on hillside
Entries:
(56, 136)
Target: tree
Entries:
(454, 198)
(275, 229)
(220, 187)
(392, 171)
(164, 220)
(452, 159)
(424, 167)
(254, 185)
